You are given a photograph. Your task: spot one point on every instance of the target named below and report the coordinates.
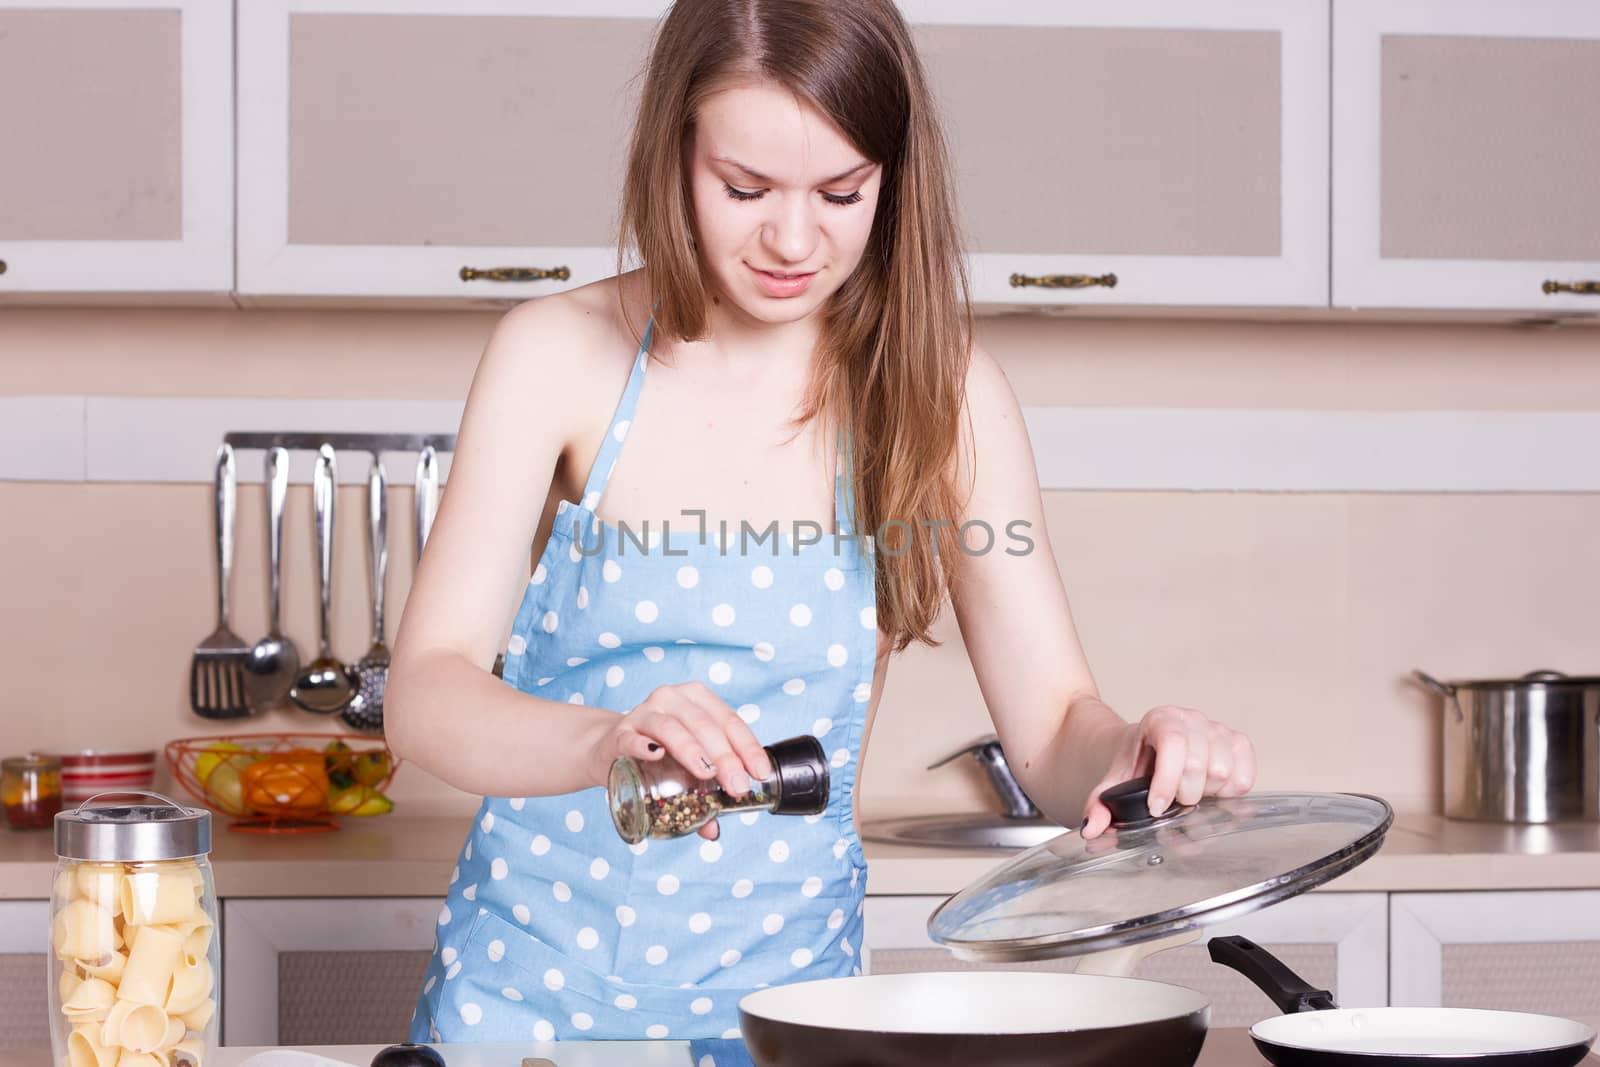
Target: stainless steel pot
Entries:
(1523, 750)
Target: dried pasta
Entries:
(159, 896)
(137, 983)
(200, 1017)
(85, 1050)
(101, 884)
(82, 930)
(152, 962)
(109, 969)
(191, 985)
(189, 1053)
(143, 1028)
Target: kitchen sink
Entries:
(968, 830)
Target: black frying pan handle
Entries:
(1272, 976)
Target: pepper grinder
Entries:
(663, 798)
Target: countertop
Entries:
(411, 856)
(1223, 1048)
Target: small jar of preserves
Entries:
(134, 958)
(30, 791)
(663, 798)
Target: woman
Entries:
(796, 349)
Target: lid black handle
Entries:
(1130, 805)
(1272, 976)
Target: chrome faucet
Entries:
(987, 751)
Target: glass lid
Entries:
(1150, 877)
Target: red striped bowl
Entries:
(91, 771)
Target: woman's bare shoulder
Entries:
(555, 351)
(575, 333)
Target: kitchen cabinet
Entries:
(1465, 160)
(386, 150)
(310, 971)
(117, 122)
(1336, 941)
(1177, 147)
(24, 952)
(466, 149)
(1523, 951)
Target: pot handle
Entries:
(1272, 976)
(1444, 689)
(1544, 676)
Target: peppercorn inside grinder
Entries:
(663, 798)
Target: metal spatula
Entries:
(216, 672)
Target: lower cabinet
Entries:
(1527, 950)
(323, 972)
(24, 948)
(348, 971)
(1336, 941)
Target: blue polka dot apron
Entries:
(553, 927)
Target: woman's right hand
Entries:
(694, 726)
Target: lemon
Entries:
(211, 756)
(224, 789)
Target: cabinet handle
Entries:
(2, 266)
(516, 274)
(1586, 288)
(1064, 281)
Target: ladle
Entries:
(326, 685)
(274, 662)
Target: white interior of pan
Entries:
(1421, 1031)
(975, 1002)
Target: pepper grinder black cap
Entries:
(801, 768)
(408, 1055)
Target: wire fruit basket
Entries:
(283, 783)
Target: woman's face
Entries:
(783, 201)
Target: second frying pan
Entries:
(1313, 1032)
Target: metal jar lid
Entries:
(133, 833)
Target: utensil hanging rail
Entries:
(356, 442)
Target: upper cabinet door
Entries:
(1179, 146)
(433, 148)
(116, 148)
(1466, 159)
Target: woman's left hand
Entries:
(1187, 756)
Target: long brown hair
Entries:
(896, 337)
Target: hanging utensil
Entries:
(217, 669)
(427, 494)
(365, 710)
(326, 685)
(1315, 1032)
(274, 661)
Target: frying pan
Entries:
(1316, 1033)
(994, 1018)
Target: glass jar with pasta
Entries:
(134, 959)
